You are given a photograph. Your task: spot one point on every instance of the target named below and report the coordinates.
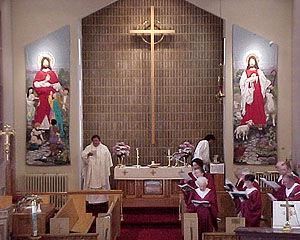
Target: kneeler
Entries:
(190, 226)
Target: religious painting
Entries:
(254, 98)
(47, 63)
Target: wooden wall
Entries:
(116, 77)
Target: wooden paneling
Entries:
(116, 77)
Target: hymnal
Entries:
(239, 194)
(199, 202)
(186, 187)
(185, 176)
(272, 198)
(271, 184)
(229, 186)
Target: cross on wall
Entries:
(152, 32)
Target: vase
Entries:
(121, 161)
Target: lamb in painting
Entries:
(270, 108)
(243, 130)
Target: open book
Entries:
(239, 194)
(272, 198)
(229, 186)
(186, 187)
(185, 176)
(271, 184)
(200, 202)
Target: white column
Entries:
(6, 75)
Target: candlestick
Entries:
(169, 158)
(34, 218)
(137, 158)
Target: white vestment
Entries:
(96, 171)
(202, 151)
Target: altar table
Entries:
(149, 187)
(244, 233)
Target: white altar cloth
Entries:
(147, 173)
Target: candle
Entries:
(169, 152)
(34, 218)
(137, 152)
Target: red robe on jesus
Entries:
(43, 87)
(207, 213)
(252, 95)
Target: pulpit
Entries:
(149, 187)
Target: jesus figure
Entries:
(253, 85)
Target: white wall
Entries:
(33, 19)
(296, 85)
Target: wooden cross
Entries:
(153, 172)
(152, 31)
(124, 172)
(287, 210)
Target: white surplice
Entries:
(96, 171)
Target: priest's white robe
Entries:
(96, 171)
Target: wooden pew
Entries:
(74, 209)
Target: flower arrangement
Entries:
(186, 149)
(121, 149)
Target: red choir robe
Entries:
(279, 193)
(292, 194)
(240, 185)
(251, 208)
(207, 215)
(192, 182)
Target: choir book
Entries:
(239, 194)
(196, 202)
(271, 184)
(186, 187)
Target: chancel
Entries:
(110, 103)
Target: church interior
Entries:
(149, 119)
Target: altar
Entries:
(149, 187)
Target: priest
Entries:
(97, 161)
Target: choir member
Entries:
(246, 171)
(292, 189)
(199, 172)
(251, 207)
(283, 168)
(206, 211)
(239, 176)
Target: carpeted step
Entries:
(150, 216)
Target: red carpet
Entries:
(150, 223)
